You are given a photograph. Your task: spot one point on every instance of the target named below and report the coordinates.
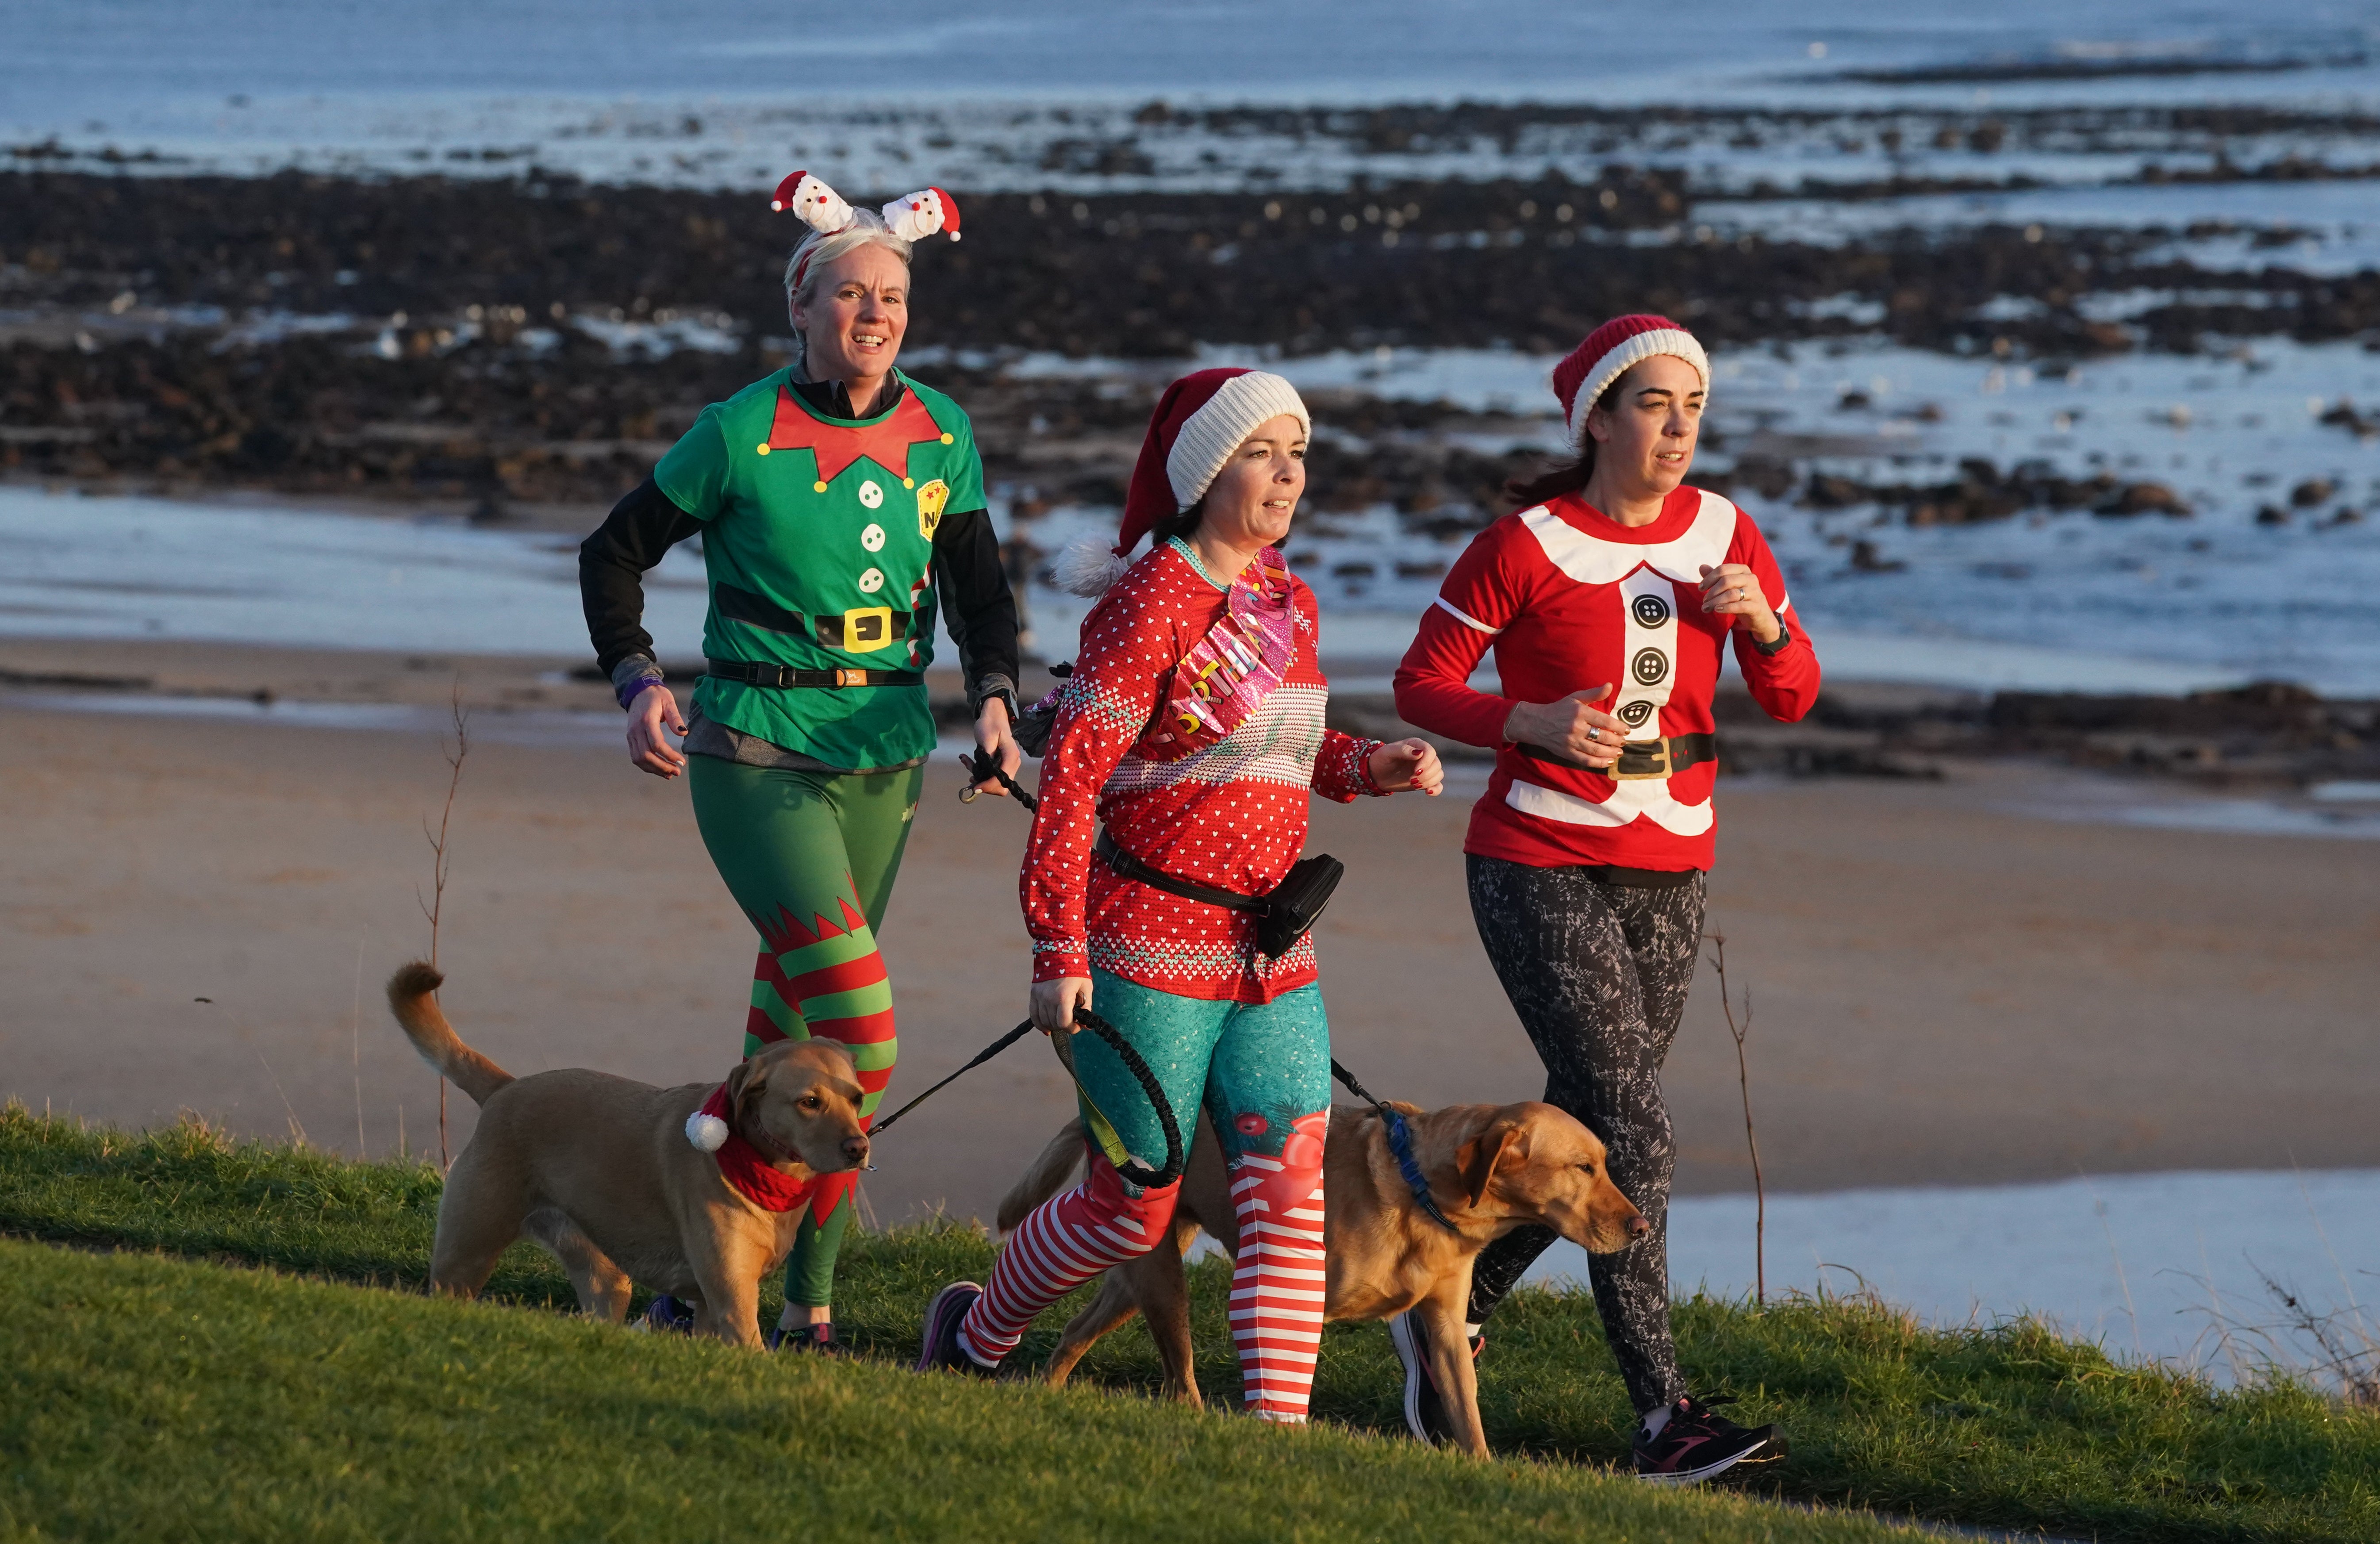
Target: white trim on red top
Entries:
(1466, 619)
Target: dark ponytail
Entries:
(1565, 474)
(1180, 525)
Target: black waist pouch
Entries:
(1294, 904)
(1284, 914)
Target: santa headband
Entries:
(1200, 422)
(821, 208)
(1610, 352)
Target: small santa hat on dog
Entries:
(1199, 422)
(1609, 352)
(913, 218)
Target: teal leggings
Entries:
(1257, 1067)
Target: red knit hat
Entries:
(1609, 353)
(1200, 422)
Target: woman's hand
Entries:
(1402, 766)
(1569, 727)
(1054, 1004)
(993, 738)
(1732, 589)
(649, 711)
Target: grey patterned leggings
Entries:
(1599, 975)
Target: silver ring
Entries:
(1595, 733)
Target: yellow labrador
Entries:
(600, 1171)
(1490, 1168)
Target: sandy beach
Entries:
(1946, 989)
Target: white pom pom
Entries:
(708, 1133)
(1089, 566)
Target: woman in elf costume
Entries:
(841, 505)
(1184, 750)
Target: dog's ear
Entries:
(1478, 1158)
(746, 1083)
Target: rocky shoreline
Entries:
(510, 343)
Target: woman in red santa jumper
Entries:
(1191, 731)
(1608, 598)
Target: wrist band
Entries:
(626, 691)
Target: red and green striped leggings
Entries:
(810, 856)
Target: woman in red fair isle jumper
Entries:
(1608, 598)
(1187, 739)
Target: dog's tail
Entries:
(1046, 1178)
(418, 1015)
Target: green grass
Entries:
(142, 1387)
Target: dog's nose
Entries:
(856, 1149)
(1638, 1227)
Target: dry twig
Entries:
(438, 862)
(1744, 1082)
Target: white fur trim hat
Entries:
(1200, 422)
(1609, 351)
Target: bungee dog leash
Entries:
(983, 764)
(1148, 1179)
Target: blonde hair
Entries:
(820, 251)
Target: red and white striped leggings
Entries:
(1258, 1066)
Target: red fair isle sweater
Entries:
(1571, 600)
(1232, 816)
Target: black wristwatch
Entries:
(1784, 636)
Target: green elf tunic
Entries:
(819, 535)
(808, 732)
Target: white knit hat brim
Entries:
(1630, 353)
(1239, 408)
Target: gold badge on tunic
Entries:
(930, 500)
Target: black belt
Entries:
(1666, 757)
(860, 629)
(783, 676)
(1283, 915)
(1128, 866)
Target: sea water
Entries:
(2184, 1267)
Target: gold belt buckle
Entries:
(848, 678)
(1658, 749)
(867, 628)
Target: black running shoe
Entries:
(670, 1315)
(1426, 1414)
(943, 1316)
(1696, 1444)
(807, 1337)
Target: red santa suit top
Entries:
(1571, 600)
(1232, 816)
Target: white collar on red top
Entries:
(1590, 559)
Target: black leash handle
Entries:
(983, 764)
(1175, 1158)
(1148, 1179)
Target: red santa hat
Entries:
(913, 218)
(1610, 352)
(1200, 422)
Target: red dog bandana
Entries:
(740, 1163)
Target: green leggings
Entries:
(810, 856)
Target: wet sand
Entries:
(1944, 991)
